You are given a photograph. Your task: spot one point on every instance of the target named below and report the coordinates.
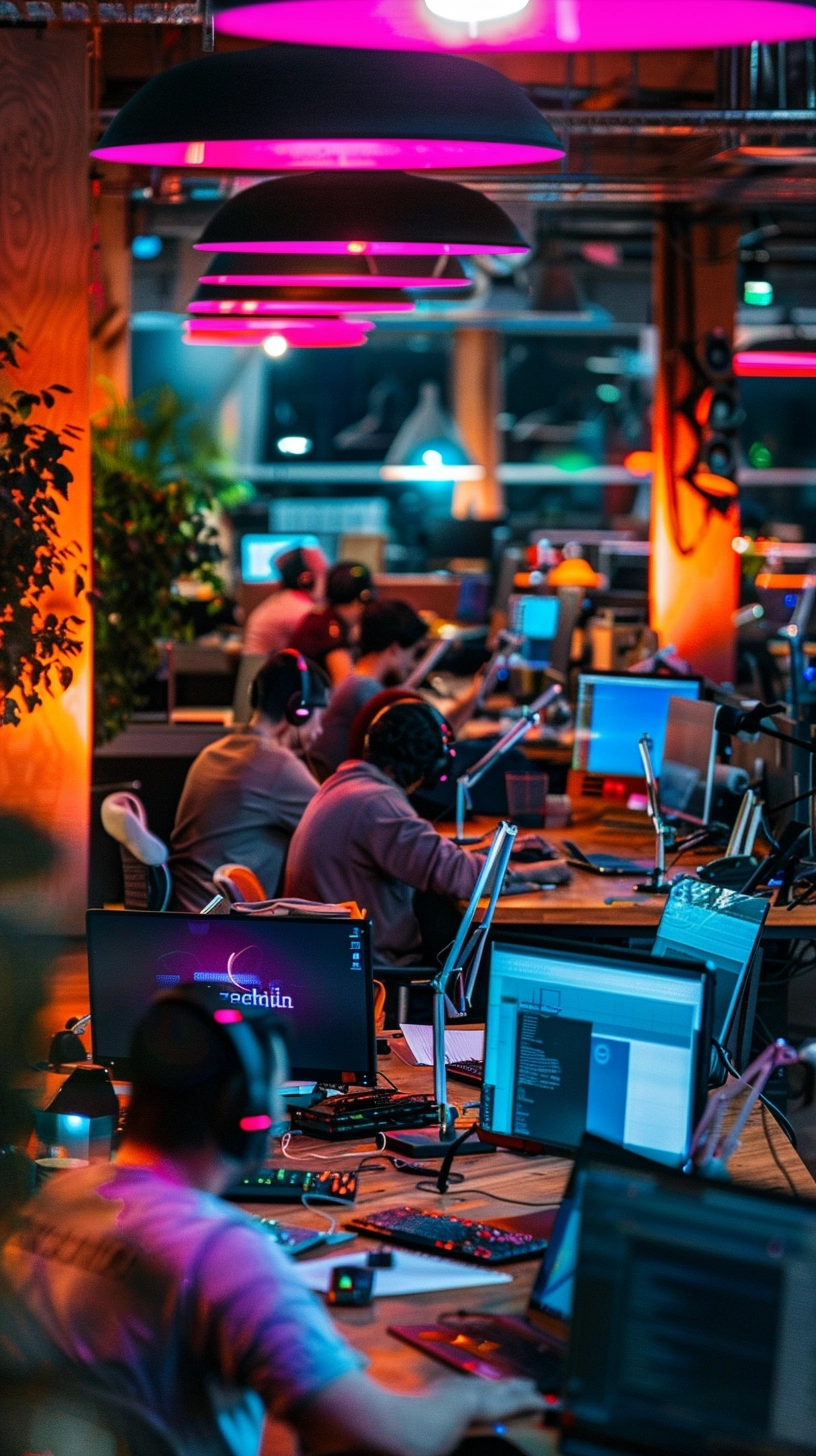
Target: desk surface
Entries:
(488, 1182)
(596, 829)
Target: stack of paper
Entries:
(417, 1049)
(409, 1274)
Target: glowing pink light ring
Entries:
(351, 154)
(774, 364)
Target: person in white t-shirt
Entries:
(138, 1279)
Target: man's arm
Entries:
(355, 1414)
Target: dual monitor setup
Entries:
(614, 1043)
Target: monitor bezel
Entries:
(634, 960)
(630, 677)
(327, 1076)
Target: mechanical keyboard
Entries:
(362, 1114)
(471, 1071)
(289, 1185)
(454, 1238)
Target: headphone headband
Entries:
(439, 770)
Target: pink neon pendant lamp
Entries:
(520, 25)
(253, 302)
(774, 364)
(281, 108)
(359, 213)
(321, 333)
(364, 272)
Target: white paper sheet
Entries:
(410, 1273)
(460, 1045)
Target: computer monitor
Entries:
(692, 1324)
(614, 711)
(314, 975)
(535, 619)
(260, 553)
(689, 756)
(594, 1041)
(720, 927)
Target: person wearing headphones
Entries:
(246, 793)
(303, 581)
(360, 839)
(390, 632)
(328, 636)
(137, 1278)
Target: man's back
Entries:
(331, 747)
(360, 839)
(170, 1297)
(271, 625)
(242, 798)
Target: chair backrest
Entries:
(62, 1417)
(239, 884)
(146, 878)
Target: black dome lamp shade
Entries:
(360, 213)
(305, 107)
(364, 272)
(242, 301)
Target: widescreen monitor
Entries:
(702, 922)
(614, 711)
(692, 1318)
(603, 1042)
(313, 975)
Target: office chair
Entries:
(65, 1417)
(146, 877)
(238, 884)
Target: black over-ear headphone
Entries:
(242, 1120)
(301, 704)
(442, 765)
(305, 578)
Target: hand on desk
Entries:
(541, 872)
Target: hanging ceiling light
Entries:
(428, 447)
(542, 25)
(306, 107)
(358, 214)
(277, 335)
(244, 301)
(360, 272)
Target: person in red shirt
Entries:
(327, 637)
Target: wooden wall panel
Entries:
(476, 402)
(44, 275)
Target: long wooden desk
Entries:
(584, 902)
(488, 1182)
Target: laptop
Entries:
(702, 922)
(531, 1345)
(692, 1319)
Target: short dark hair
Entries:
(279, 679)
(387, 623)
(407, 741)
(296, 571)
(348, 581)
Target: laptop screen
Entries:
(593, 1041)
(707, 923)
(613, 712)
(692, 1325)
(313, 975)
(536, 620)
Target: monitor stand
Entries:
(428, 1144)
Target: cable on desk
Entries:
(778, 1116)
(327, 1157)
(772, 1150)
(491, 1193)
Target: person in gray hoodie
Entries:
(360, 839)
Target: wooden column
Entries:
(476, 402)
(110, 287)
(44, 275)
(694, 574)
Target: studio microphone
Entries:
(746, 720)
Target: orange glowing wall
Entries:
(44, 275)
(694, 573)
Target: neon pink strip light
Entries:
(227, 1018)
(545, 25)
(359, 154)
(237, 310)
(774, 364)
(321, 334)
(333, 280)
(326, 324)
(339, 249)
(255, 1124)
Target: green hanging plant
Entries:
(157, 472)
(35, 646)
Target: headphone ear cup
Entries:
(298, 712)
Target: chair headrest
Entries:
(125, 820)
